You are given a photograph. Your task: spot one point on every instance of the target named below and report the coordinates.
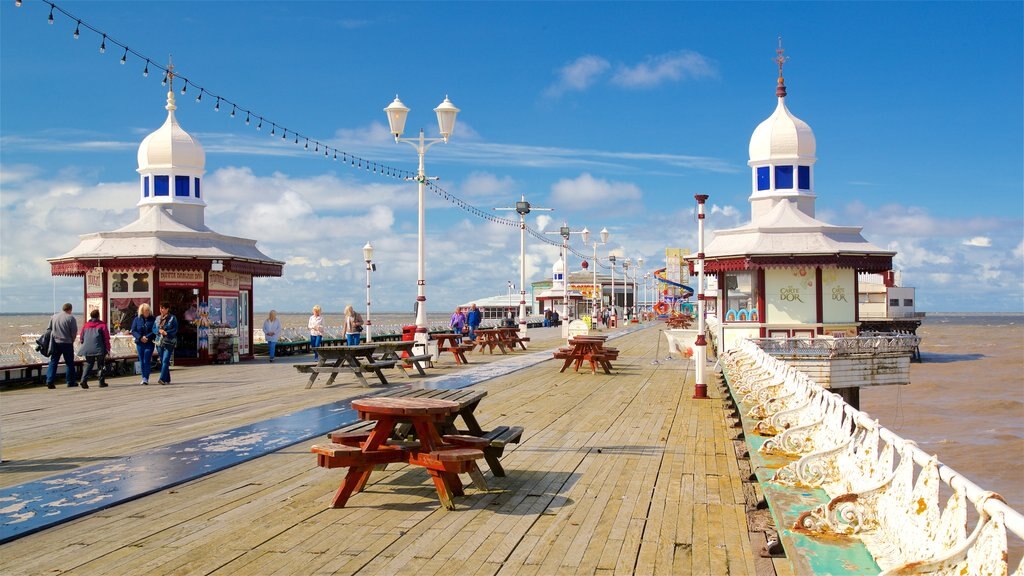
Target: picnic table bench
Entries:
(355, 359)
(442, 460)
(510, 336)
(490, 338)
(401, 352)
(467, 399)
(587, 349)
(451, 342)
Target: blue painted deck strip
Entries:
(807, 553)
(40, 504)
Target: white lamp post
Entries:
(700, 389)
(523, 208)
(639, 269)
(598, 297)
(397, 113)
(370, 266)
(625, 289)
(565, 232)
(611, 264)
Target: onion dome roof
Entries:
(170, 146)
(782, 136)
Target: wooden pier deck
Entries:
(615, 474)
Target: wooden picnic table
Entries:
(468, 399)
(402, 353)
(510, 336)
(355, 359)
(451, 342)
(588, 349)
(443, 461)
(490, 338)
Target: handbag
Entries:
(43, 342)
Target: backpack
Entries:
(357, 322)
(43, 342)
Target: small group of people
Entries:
(550, 318)
(353, 327)
(158, 335)
(466, 321)
(95, 339)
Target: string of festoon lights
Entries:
(254, 118)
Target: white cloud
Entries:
(484, 185)
(586, 193)
(979, 241)
(578, 75)
(670, 67)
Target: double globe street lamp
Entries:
(598, 298)
(397, 114)
(523, 208)
(370, 266)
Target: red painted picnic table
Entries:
(587, 349)
(444, 462)
(451, 342)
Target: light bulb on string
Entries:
(124, 57)
(184, 87)
(77, 26)
(50, 19)
(164, 81)
(247, 118)
(145, 73)
(103, 44)
(232, 110)
(335, 154)
(307, 143)
(17, 3)
(260, 127)
(216, 107)
(273, 128)
(296, 138)
(317, 148)
(200, 97)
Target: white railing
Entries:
(882, 488)
(829, 347)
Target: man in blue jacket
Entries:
(473, 319)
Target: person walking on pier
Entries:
(167, 327)
(144, 332)
(316, 331)
(272, 330)
(64, 329)
(473, 320)
(352, 327)
(95, 339)
(458, 321)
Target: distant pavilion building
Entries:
(785, 273)
(169, 255)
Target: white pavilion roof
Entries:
(157, 234)
(785, 230)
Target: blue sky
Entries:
(615, 114)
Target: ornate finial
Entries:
(780, 91)
(170, 83)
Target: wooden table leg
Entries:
(312, 377)
(443, 493)
(352, 481)
(477, 476)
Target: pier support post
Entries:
(700, 389)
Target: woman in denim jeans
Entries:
(168, 329)
(316, 330)
(144, 332)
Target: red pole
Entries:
(700, 389)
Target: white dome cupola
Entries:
(558, 274)
(782, 156)
(171, 164)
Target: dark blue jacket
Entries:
(170, 326)
(473, 318)
(144, 327)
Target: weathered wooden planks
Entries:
(620, 473)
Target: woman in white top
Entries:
(351, 331)
(316, 330)
(272, 330)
